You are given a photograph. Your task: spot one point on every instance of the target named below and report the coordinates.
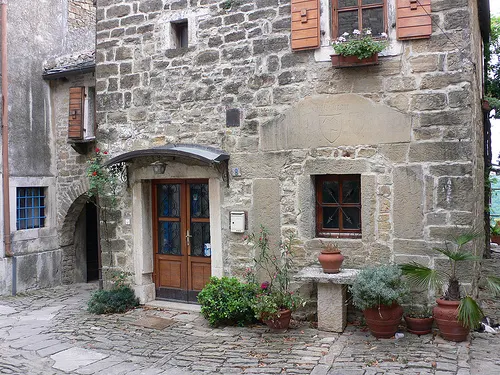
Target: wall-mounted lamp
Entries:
(158, 167)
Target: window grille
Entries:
(30, 207)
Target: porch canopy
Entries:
(189, 152)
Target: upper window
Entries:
(81, 122)
(338, 206)
(30, 207)
(180, 33)
(349, 15)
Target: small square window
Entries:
(30, 207)
(338, 206)
(180, 33)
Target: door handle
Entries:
(188, 236)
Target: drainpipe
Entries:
(5, 132)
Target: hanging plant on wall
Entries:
(104, 183)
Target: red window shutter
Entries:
(76, 113)
(413, 19)
(305, 24)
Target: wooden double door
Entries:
(181, 230)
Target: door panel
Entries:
(182, 248)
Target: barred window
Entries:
(338, 206)
(30, 207)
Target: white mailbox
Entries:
(237, 219)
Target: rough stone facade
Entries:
(81, 14)
(38, 151)
(410, 126)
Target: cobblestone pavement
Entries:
(50, 332)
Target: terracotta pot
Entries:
(495, 239)
(331, 261)
(446, 317)
(383, 321)
(281, 323)
(339, 61)
(419, 326)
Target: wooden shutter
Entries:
(413, 19)
(76, 113)
(305, 24)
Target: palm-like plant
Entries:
(469, 312)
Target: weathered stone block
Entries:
(270, 44)
(210, 22)
(207, 57)
(117, 11)
(400, 84)
(233, 19)
(268, 14)
(124, 53)
(451, 169)
(148, 6)
(417, 247)
(132, 20)
(454, 193)
(460, 99)
(439, 151)
(425, 63)
(458, 19)
(462, 218)
(408, 208)
(331, 120)
(236, 53)
(129, 81)
(233, 37)
(435, 81)
(424, 102)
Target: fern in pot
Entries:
(457, 311)
(379, 292)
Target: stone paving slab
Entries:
(65, 338)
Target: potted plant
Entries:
(379, 292)
(456, 311)
(418, 319)
(330, 258)
(495, 232)
(357, 49)
(276, 301)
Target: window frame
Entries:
(41, 207)
(340, 232)
(359, 8)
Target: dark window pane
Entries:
(200, 238)
(351, 218)
(30, 208)
(371, 2)
(330, 192)
(199, 200)
(330, 217)
(169, 241)
(347, 3)
(348, 22)
(350, 192)
(374, 19)
(169, 200)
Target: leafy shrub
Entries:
(117, 300)
(227, 301)
(382, 285)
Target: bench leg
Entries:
(332, 308)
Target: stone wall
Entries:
(81, 13)
(410, 126)
(34, 134)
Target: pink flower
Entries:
(264, 285)
(97, 150)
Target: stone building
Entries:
(224, 113)
(45, 40)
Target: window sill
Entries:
(82, 146)
(349, 236)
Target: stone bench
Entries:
(332, 287)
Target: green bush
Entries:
(382, 285)
(117, 300)
(227, 301)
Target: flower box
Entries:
(339, 61)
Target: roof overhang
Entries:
(69, 70)
(204, 154)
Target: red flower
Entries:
(94, 173)
(97, 150)
(264, 285)
(105, 152)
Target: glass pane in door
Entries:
(169, 200)
(200, 240)
(199, 200)
(169, 239)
